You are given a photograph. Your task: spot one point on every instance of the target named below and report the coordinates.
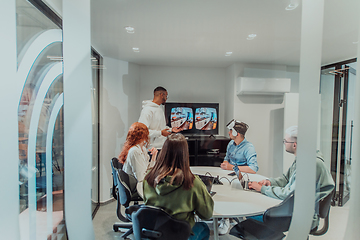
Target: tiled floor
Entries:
(106, 216)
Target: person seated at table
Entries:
(240, 157)
(134, 156)
(240, 153)
(282, 186)
(172, 186)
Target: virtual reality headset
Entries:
(231, 126)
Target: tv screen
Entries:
(194, 118)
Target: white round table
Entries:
(231, 200)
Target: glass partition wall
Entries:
(40, 121)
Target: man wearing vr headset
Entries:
(240, 153)
(240, 157)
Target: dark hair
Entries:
(241, 127)
(159, 89)
(137, 133)
(173, 161)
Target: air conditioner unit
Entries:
(262, 86)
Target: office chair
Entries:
(276, 219)
(154, 223)
(124, 194)
(324, 210)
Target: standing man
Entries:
(152, 115)
(240, 157)
(240, 153)
(282, 186)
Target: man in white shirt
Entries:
(152, 115)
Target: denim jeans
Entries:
(201, 231)
(257, 218)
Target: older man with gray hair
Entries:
(282, 186)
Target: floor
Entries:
(106, 216)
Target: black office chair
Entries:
(154, 223)
(276, 219)
(324, 210)
(124, 191)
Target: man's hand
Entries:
(255, 185)
(153, 152)
(165, 132)
(177, 129)
(265, 182)
(226, 165)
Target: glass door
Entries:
(337, 114)
(96, 72)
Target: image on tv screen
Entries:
(182, 117)
(205, 118)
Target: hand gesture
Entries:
(265, 182)
(153, 152)
(226, 165)
(177, 129)
(255, 185)
(165, 132)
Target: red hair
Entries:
(138, 133)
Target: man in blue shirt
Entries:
(240, 157)
(240, 153)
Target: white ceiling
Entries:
(199, 32)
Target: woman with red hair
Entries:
(134, 156)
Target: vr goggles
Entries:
(231, 126)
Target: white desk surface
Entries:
(231, 200)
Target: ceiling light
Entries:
(292, 5)
(356, 42)
(130, 29)
(135, 49)
(227, 54)
(251, 36)
(55, 58)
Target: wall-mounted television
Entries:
(194, 118)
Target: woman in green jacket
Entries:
(171, 186)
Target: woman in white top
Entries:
(134, 156)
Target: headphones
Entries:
(231, 126)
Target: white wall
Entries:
(186, 84)
(263, 114)
(125, 85)
(119, 107)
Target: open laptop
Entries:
(208, 181)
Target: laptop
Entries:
(208, 181)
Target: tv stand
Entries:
(207, 150)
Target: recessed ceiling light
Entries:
(135, 49)
(291, 6)
(251, 36)
(130, 29)
(227, 54)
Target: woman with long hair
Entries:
(134, 156)
(171, 186)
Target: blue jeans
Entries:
(257, 218)
(201, 231)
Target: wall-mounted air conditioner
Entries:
(262, 86)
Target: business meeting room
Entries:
(179, 119)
